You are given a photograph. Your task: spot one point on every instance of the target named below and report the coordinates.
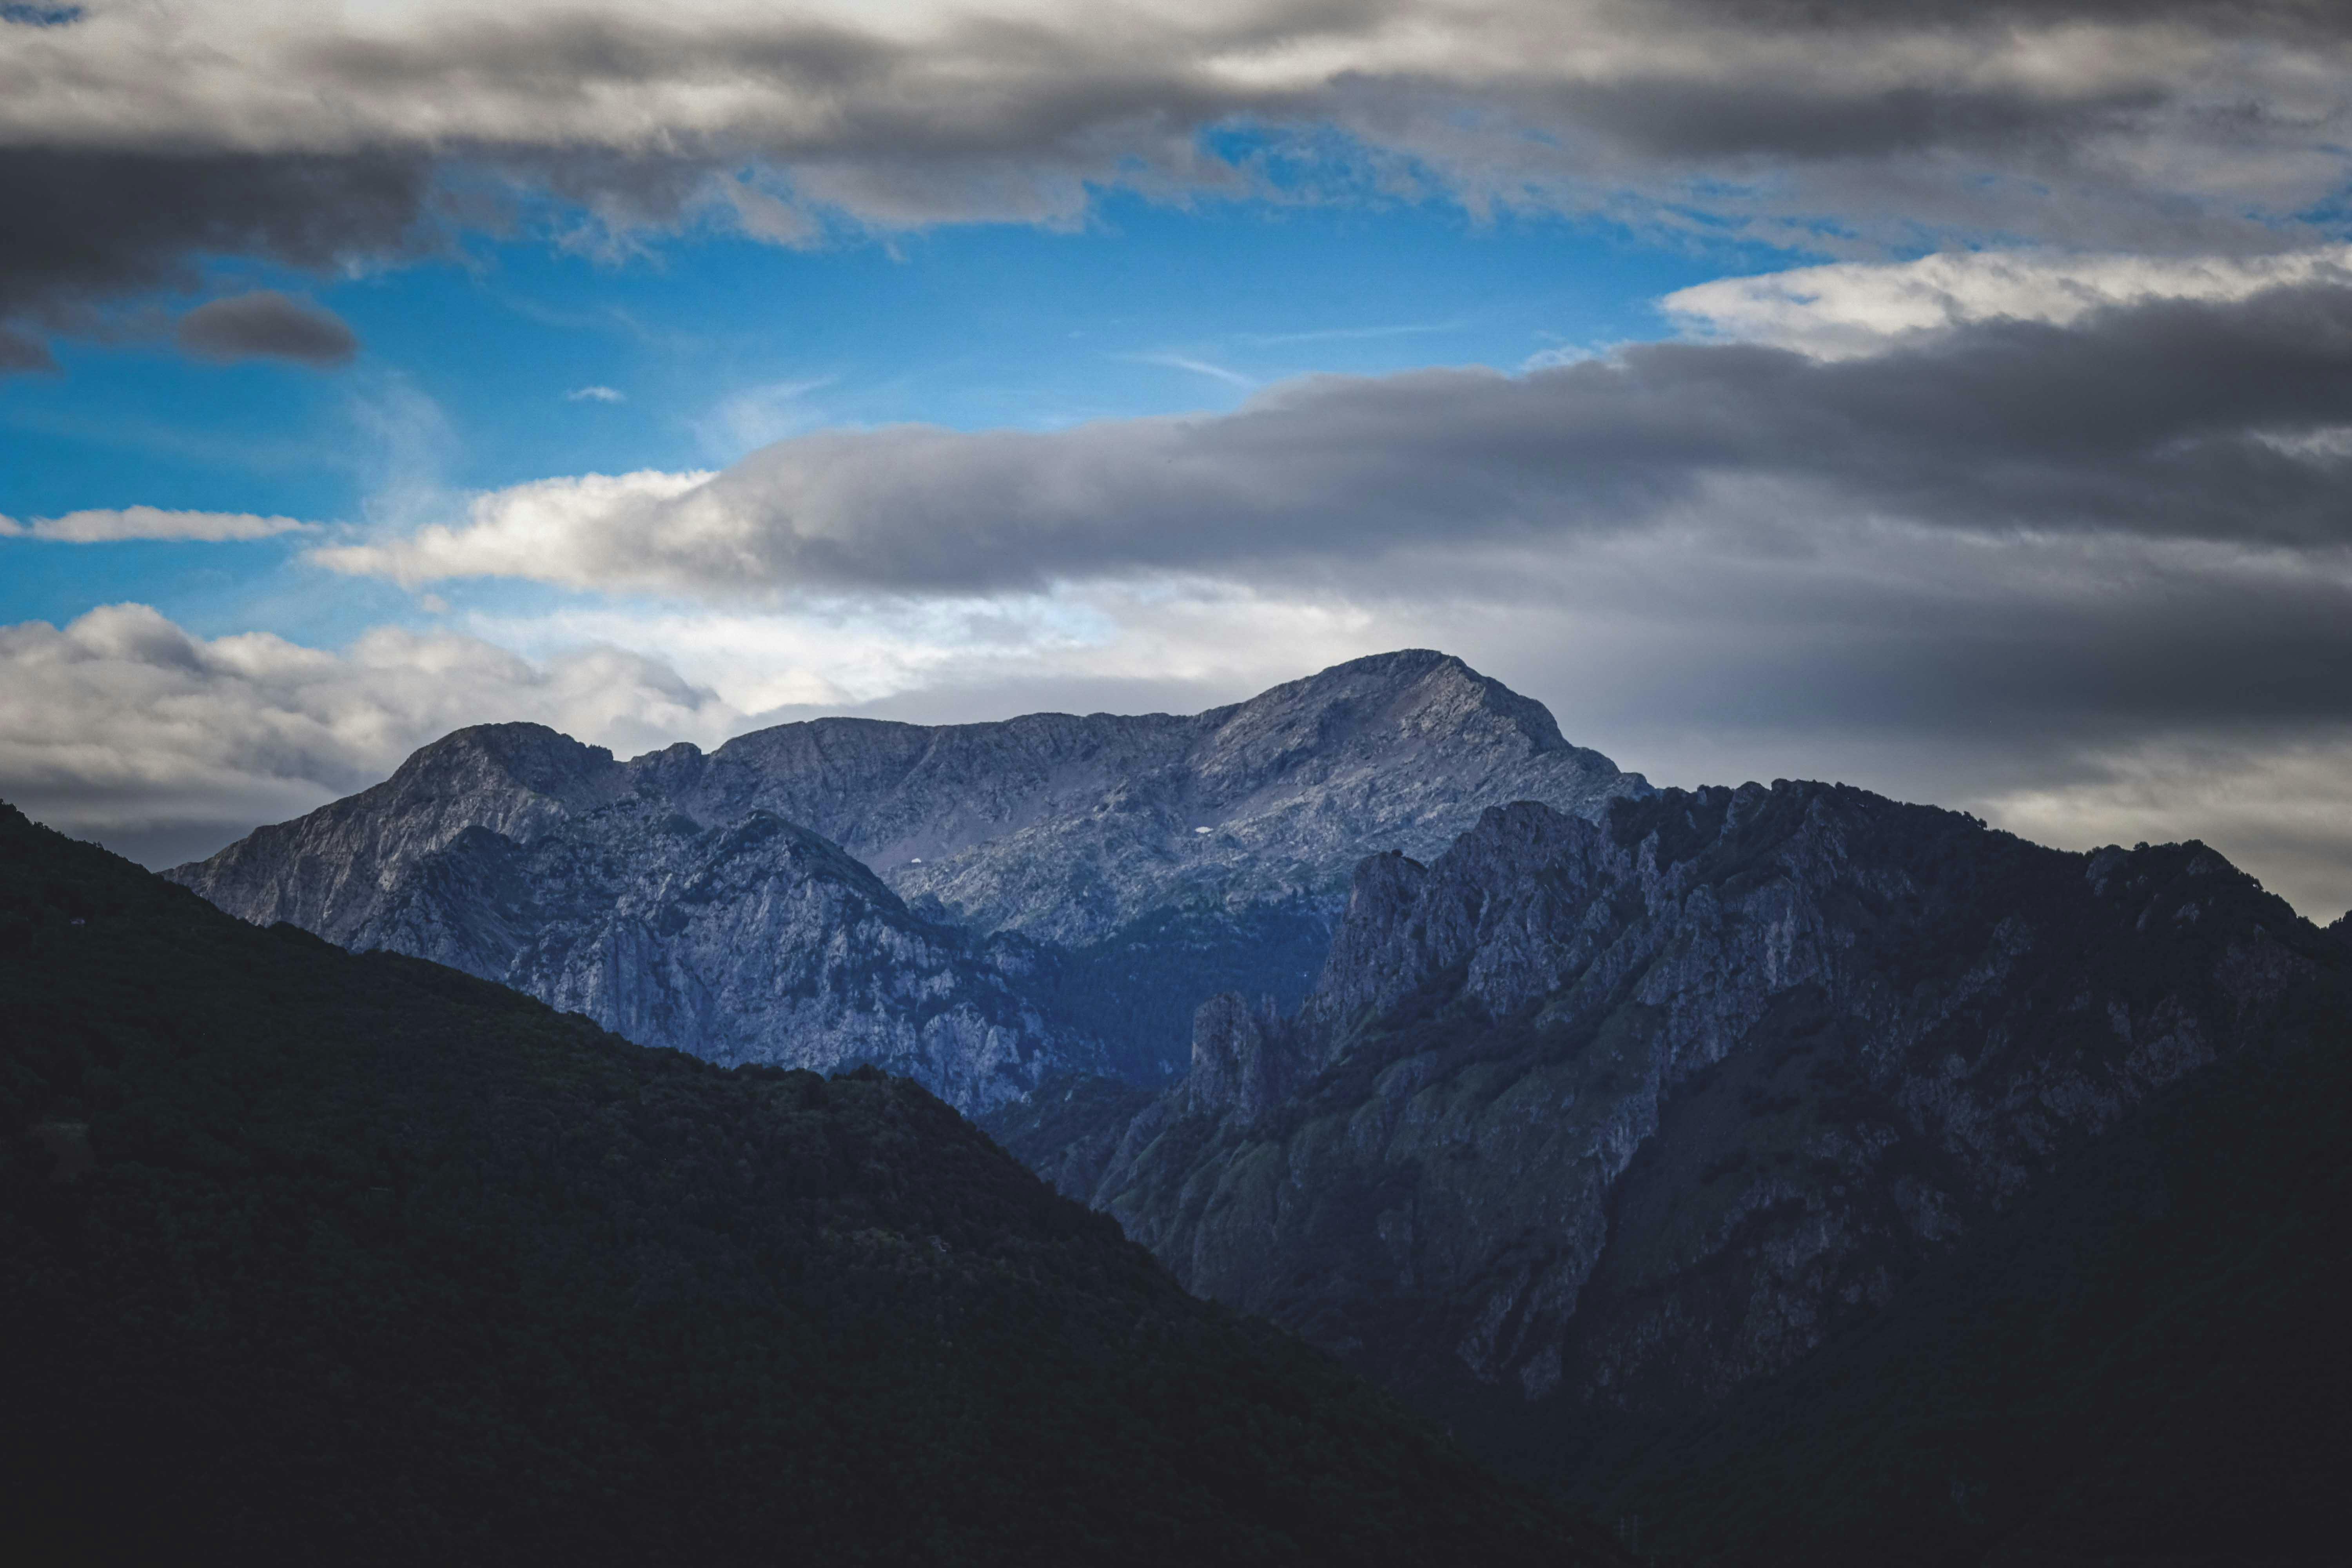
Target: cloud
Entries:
(122, 726)
(142, 138)
(104, 527)
(756, 416)
(1859, 308)
(2179, 420)
(1196, 366)
(594, 395)
(525, 531)
(19, 352)
(266, 324)
(87, 225)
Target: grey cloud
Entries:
(2224, 17)
(266, 324)
(18, 352)
(1689, 122)
(80, 229)
(2167, 124)
(2186, 420)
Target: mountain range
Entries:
(1591, 1130)
(1637, 1135)
(977, 906)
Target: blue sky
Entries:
(471, 365)
(1948, 400)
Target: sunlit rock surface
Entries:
(996, 900)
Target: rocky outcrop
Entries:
(1617, 1117)
(1241, 1067)
(759, 941)
(1070, 830)
(332, 871)
(1144, 863)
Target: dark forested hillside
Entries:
(309, 1255)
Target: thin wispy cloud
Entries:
(756, 416)
(110, 526)
(1195, 366)
(1348, 334)
(594, 395)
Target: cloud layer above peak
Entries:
(2223, 421)
(141, 137)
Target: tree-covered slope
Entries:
(306, 1254)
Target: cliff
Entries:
(1600, 1122)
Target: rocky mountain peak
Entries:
(523, 756)
(1368, 707)
(1164, 857)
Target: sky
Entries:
(1951, 399)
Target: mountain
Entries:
(1587, 1126)
(757, 942)
(2142, 1363)
(1072, 886)
(306, 1255)
(520, 856)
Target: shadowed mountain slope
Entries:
(1139, 863)
(1587, 1126)
(309, 1255)
(2142, 1364)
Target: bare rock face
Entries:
(1069, 829)
(332, 872)
(1066, 890)
(1617, 1116)
(754, 942)
(1239, 1065)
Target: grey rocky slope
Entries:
(1142, 862)
(1587, 1123)
(756, 942)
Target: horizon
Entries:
(2316, 919)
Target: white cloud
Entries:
(529, 531)
(1860, 308)
(595, 394)
(100, 527)
(121, 724)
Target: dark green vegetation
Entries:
(311, 1257)
(2145, 1362)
